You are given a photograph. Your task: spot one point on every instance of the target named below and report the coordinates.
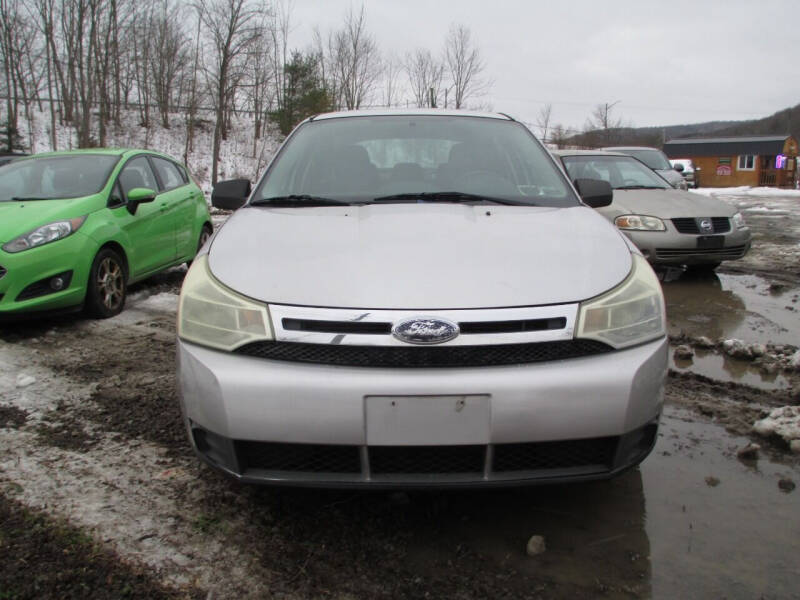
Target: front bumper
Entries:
(26, 270)
(268, 421)
(673, 248)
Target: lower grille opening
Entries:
(538, 456)
(50, 285)
(312, 458)
(423, 356)
(426, 459)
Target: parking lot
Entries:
(90, 432)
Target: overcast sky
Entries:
(666, 63)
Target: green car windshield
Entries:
(416, 158)
(55, 177)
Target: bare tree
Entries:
(425, 74)
(168, 57)
(464, 65)
(232, 28)
(354, 60)
(543, 120)
(559, 136)
(390, 93)
(603, 128)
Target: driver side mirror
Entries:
(231, 194)
(678, 167)
(594, 192)
(139, 196)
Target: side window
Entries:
(168, 173)
(137, 174)
(116, 198)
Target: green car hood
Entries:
(18, 218)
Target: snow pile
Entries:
(783, 422)
(746, 190)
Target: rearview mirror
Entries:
(231, 194)
(594, 192)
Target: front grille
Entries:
(722, 253)
(423, 356)
(426, 459)
(475, 462)
(313, 458)
(379, 328)
(691, 225)
(554, 455)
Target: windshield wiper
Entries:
(298, 200)
(446, 197)
(640, 187)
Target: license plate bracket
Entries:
(710, 241)
(427, 420)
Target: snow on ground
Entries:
(783, 422)
(745, 190)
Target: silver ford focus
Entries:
(419, 299)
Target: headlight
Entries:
(44, 235)
(639, 223)
(212, 315)
(738, 221)
(630, 314)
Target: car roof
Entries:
(589, 153)
(101, 151)
(631, 148)
(409, 112)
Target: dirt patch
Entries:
(47, 558)
(13, 417)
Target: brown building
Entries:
(763, 160)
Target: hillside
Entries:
(784, 121)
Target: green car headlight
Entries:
(212, 315)
(630, 314)
(44, 235)
(639, 223)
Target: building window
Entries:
(747, 162)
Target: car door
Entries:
(179, 198)
(150, 229)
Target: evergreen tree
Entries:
(304, 93)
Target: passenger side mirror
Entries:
(138, 196)
(678, 167)
(231, 194)
(594, 192)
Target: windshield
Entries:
(622, 172)
(55, 177)
(654, 159)
(395, 158)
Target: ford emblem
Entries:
(705, 225)
(425, 330)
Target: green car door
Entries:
(149, 226)
(181, 199)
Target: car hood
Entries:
(419, 256)
(671, 175)
(17, 218)
(667, 204)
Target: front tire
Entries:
(205, 233)
(107, 288)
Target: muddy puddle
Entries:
(691, 522)
(719, 305)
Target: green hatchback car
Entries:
(76, 227)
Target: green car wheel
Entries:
(105, 293)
